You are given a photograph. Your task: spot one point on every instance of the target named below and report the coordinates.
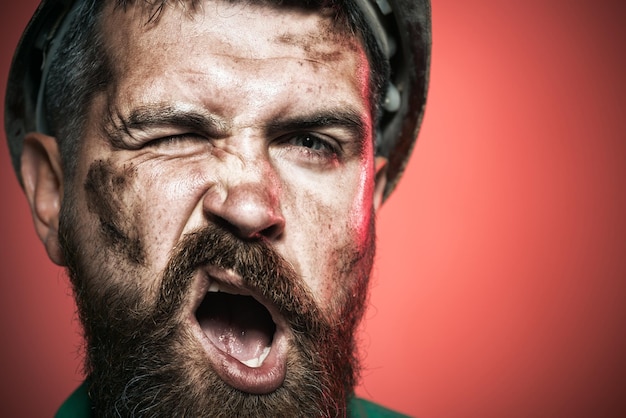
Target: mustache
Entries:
(263, 270)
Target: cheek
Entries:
(102, 233)
(331, 230)
(126, 221)
(117, 228)
(137, 214)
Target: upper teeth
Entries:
(215, 287)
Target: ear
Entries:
(380, 180)
(43, 184)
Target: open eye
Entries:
(310, 149)
(310, 141)
(313, 142)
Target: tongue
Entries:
(237, 325)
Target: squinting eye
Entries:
(178, 141)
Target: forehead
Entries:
(237, 29)
(224, 53)
(243, 63)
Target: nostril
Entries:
(225, 224)
(274, 230)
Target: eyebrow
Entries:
(146, 117)
(154, 116)
(343, 118)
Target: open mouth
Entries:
(236, 324)
(244, 337)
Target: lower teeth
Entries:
(257, 362)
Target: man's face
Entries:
(219, 227)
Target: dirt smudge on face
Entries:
(105, 189)
(326, 45)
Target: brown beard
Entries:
(142, 360)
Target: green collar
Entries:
(79, 406)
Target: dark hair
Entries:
(82, 69)
(79, 71)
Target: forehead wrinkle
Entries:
(272, 59)
(328, 35)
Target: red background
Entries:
(500, 281)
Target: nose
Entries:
(248, 204)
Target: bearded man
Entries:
(209, 173)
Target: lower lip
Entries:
(255, 380)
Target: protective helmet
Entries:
(402, 29)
